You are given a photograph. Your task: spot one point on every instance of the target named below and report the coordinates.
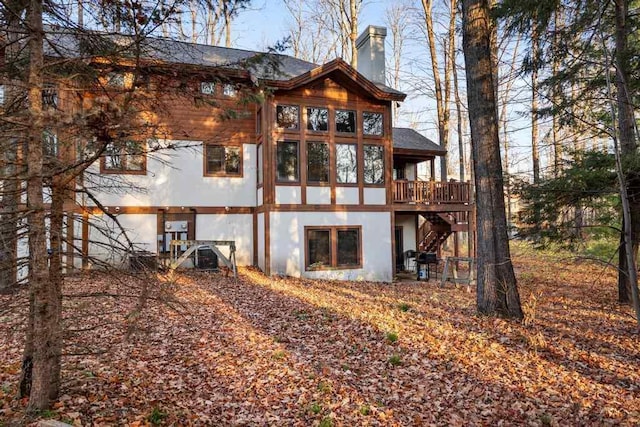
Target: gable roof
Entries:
(409, 140)
(278, 70)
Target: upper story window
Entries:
(345, 121)
(287, 161)
(317, 162)
(223, 160)
(373, 164)
(259, 122)
(372, 123)
(317, 119)
(260, 160)
(229, 90)
(125, 157)
(208, 88)
(288, 116)
(50, 144)
(346, 164)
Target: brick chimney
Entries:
(370, 47)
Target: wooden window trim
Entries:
(222, 174)
(277, 180)
(106, 171)
(333, 249)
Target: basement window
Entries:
(333, 248)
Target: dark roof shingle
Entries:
(409, 139)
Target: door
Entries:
(399, 249)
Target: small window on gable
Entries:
(372, 123)
(208, 88)
(345, 121)
(287, 161)
(317, 119)
(124, 157)
(229, 90)
(223, 160)
(288, 116)
(373, 164)
(49, 96)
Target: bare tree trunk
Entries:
(627, 278)
(557, 145)
(353, 27)
(442, 107)
(45, 379)
(535, 152)
(497, 290)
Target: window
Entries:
(399, 172)
(49, 96)
(373, 164)
(229, 90)
(333, 247)
(345, 121)
(1, 94)
(372, 123)
(49, 144)
(208, 88)
(259, 122)
(317, 162)
(346, 164)
(288, 116)
(124, 157)
(260, 170)
(223, 160)
(317, 119)
(287, 158)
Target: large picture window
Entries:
(223, 160)
(372, 123)
(287, 158)
(126, 157)
(346, 164)
(373, 164)
(317, 119)
(317, 162)
(333, 247)
(288, 116)
(345, 121)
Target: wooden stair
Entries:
(432, 241)
(435, 230)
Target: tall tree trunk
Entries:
(353, 27)
(497, 290)
(46, 333)
(442, 107)
(629, 149)
(535, 152)
(555, 123)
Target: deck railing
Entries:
(431, 192)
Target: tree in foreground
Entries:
(497, 290)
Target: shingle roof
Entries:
(72, 44)
(409, 139)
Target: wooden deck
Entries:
(431, 192)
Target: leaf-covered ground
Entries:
(208, 350)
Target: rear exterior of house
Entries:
(311, 182)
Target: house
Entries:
(313, 181)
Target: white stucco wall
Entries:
(375, 196)
(288, 248)
(175, 178)
(288, 195)
(347, 196)
(238, 227)
(104, 235)
(261, 258)
(318, 195)
(408, 224)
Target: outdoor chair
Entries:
(410, 260)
